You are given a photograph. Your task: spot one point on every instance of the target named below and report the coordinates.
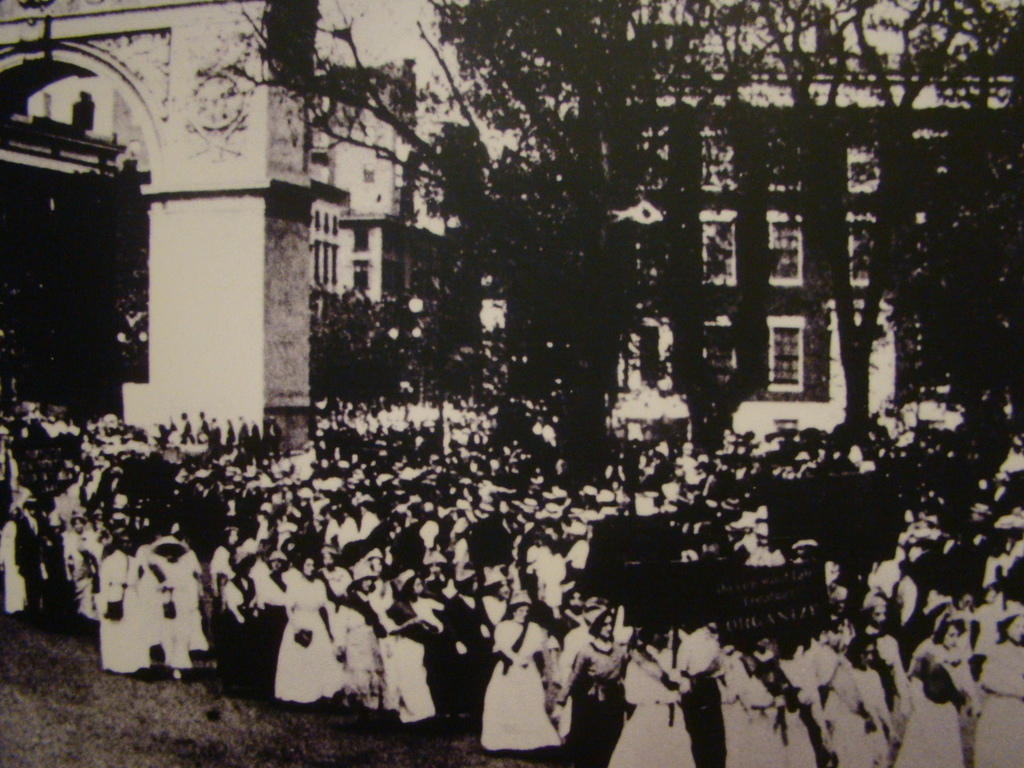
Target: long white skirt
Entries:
(124, 643)
(933, 737)
(305, 674)
(406, 676)
(854, 745)
(514, 714)
(752, 738)
(182, 634)
(654, 737)
(15, 597)
(1000, 735)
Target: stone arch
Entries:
(24, 73)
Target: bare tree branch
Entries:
(464, 109)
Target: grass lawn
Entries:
(57, 710)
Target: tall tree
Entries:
(866, 79)
(561, 118)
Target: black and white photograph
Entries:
(512, 383)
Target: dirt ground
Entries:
(58, 709)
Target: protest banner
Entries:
(745, 603)
(46, 467)
(854, 517)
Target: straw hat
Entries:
(518, 599)
(362, 570)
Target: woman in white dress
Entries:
(515, 717)
(856, 713)
(15, 596)
(80, 566)
(307, 669)
(1000, 734)
(941, 684)
(122, 649)
(177, 572)
(412, 621)
(655, 736)
(767, 699)
(357, 634)
(751, 714)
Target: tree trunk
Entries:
(825, 178)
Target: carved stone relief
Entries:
(147, 57)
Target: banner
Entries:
(854, 517)
(785, 600)
(46, 467)
(745, 603)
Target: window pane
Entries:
(861, 243)
(863, 169)
(717, 156)
(719, 252)
(719, 351)
(786, 354)
(361, 275)
(362, 239)
(784, 169)
(649, 355)
(786, 245)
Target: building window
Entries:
(316, 220)
(786, 354)
(649, 354)
(719, 240)
(362, 239)
(392, 276)
(369, 174)
(319, 158)
(718, 348)
(718, 172)
(786, 244)
(325, 263)
(861, 243)
(361, 275)
(784, 164)
(863, 174)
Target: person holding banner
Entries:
(788, 680)
(515, 716)
(750, 715)
(655, 736)
(698, 657)
(598, 703)
(856, 712)
(809, 667)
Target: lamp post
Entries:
(415, 307)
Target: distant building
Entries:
(805, 383)
(361, 237)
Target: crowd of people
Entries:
(408, 570)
